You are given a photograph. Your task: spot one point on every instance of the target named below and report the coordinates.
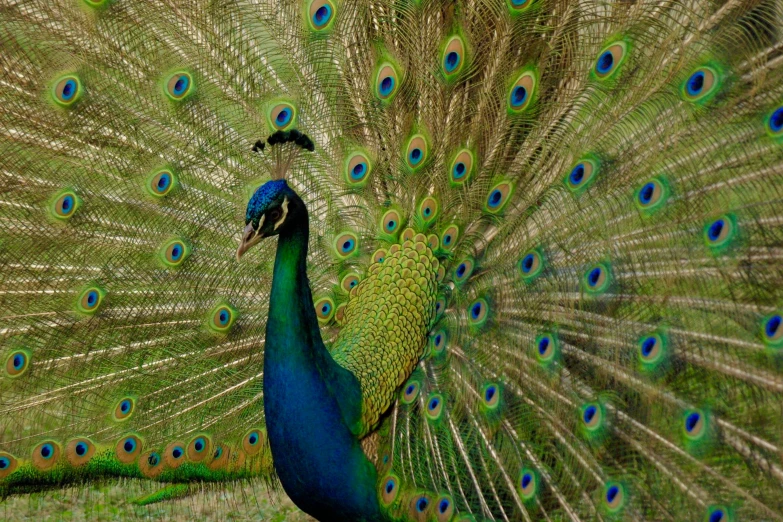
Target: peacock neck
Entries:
(312, 405)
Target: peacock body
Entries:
(528, 264)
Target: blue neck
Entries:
(312, 405)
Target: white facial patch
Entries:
(284, 206)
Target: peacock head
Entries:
(269, 212)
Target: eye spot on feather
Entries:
(345, 245)
(581, 175)
(772, 330)
(498, 197)
(429, 209)
(174, 455)
(461, 167)
(321, 14)
(719, 233)
(17, 363)
(90, 300)
(174, 252)
(651, 351)
(614, 497)
(463, 271)
(253, 442)
(521, 92)
(324, 309)
(610, 59)
(45, 455)
(592, 416)
(419, 507)
(700, 84)
(222, 318)
(282, 116)
(435, 406)
(386, 82)
(440, 306)
(410, 391)
(151, 464)
(528, 484)
(718, 514)
(416, 152)
(531, 265)
(179, 86)
(8, 464)
(124, 408)
(390, 222)
(198, 448)
(596, 279)
(161, 183)
(775, 122)
(694, 425)
(444, 508)
(357, 169)
(128, 449)
(390, 489)
(491, 396)
(651, 195)
(547, 348)
(349, 281)
(379, 256)
(449, 237)
(518, 6)
(64, 205)
(79, 451)
(67, 90)
(438, 340)
(453, 56)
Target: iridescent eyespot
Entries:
(718, 514)
(528, 484)
(531, 265)
(720, 232)
(444, 508)
(17, 363)
(438, 342)
(522, 92)
(477, 312)
(345, 245)
(614, 497)
(463, 271)
(79, 451)
(174, 455)
(700, 84)
(128, 449)
(453, 56)
(410, 391)
(498, 197)
(547, 348)
(449, 237)
(461, 167)
(518, 6)
(610, 60)
(491, 396)
(321, 14)
(45, 455)
(124, 408)
(324, 309)
(379, 256)
(694, 424)
(433, 242)
(775, 122)
(174, 252)
(281, 116)
(651, 195)
(65, 204)
(8, 464)
(349, 281)
(198, 448)
(440, 306)
(772, 330)
(90, 300)
(434, 406)
(416, 152)
(386, 82)
(161, 183)
(391, 222)
(390, 487)
(581, 175)
(179, 86)
(651, 350)
(67, 90)
(357, 169)
(429, 209)
(419, 508)
(596, 279)
(592, 415)
(222, 318)
(151, 464)
(253, 442)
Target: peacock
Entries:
(419, 260)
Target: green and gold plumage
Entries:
(545, 240)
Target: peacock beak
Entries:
(250, 238)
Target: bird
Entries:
(406, 259)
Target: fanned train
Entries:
(529, 262)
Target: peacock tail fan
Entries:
(582, 198)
